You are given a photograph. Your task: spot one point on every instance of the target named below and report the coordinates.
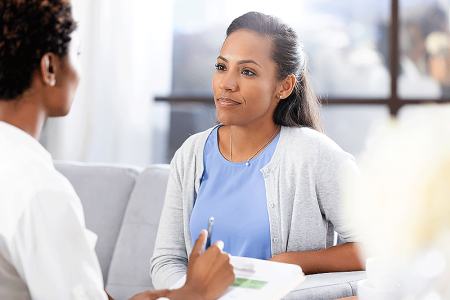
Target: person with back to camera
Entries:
(46, 252)
(266, 173)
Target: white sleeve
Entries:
(54, 252)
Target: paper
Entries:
(259, 279)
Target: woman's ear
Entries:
(49, 68)
(286, 86)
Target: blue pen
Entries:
(210, 225)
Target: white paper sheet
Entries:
(259, 279)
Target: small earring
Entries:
(52, 82)
(281, 96)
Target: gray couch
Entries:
(123, 204)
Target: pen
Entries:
(210, 225)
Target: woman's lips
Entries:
(227, 102)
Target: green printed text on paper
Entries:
(249, 283)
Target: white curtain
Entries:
(126, 52)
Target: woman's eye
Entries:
(248, 73)
(220, 67)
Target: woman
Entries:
(267, 174)
(46, 252)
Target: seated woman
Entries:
(266, 173)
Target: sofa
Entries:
(122, 205)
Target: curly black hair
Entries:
(30, 29)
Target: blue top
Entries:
(235, 195)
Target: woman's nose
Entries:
(228, 83)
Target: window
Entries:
(424, 44)
(350, 45)
(346, 42)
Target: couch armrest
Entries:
(104, 190)
(327, 286)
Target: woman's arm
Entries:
(170, 259)
(332, 166)
(173, 242)
(340, 258)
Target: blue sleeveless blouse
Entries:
(235, 195)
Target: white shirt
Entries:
(46, 252)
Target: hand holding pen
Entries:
(209, 272)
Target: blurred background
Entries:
(148, 68)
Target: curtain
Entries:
(126, 53)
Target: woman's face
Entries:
(244, 84)
(67, 80)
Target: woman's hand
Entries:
(209, 274)
(340, 258)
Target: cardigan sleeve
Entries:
(173, 242)
(170, 259)
(333, 166)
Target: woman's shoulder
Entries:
(309, 139)
(192, 147)
(306, 145)
(195, 141)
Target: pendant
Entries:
(247, 163)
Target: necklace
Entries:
(248, 160)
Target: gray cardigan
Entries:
(303, 193)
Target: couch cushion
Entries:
(327, 286)
(130, 265)
(104, 191)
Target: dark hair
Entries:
(302, 107)
(30, 29)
